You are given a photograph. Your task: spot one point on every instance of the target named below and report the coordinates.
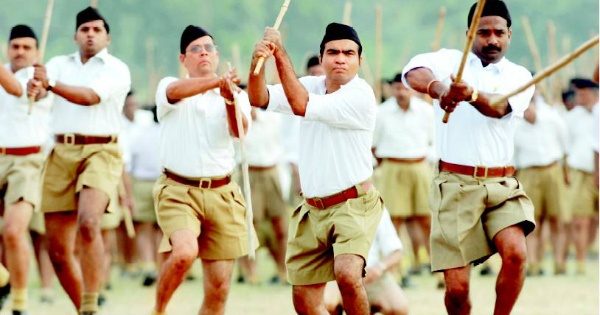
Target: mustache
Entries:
(490, 48)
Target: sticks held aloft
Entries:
(284, 8)
(550, 69)
(46, 30)
(468, 44)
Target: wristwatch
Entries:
(51, 84)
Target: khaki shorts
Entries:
(316, 236)
(546, 188)
(405, 188)
(467, 214)
(377, 288)
(21, 179)
(216, 216)
(583, 199)
(266, 234)
(144, 201)
(70, 168)
(111, 220)
(37, 223)
(267, 198)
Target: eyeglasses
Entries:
(198, 48)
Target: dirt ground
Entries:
(547, 295)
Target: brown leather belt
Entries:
(342, 196)
(78, 139)
(206, 183)
(20, 151)
(481, 172)
(411, 160)
(260, 168)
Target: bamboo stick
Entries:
(378, 51)
(284, 8)
(437, 41)
(46, 30)
(347, 19)
(535, 53)
(245, 178)
(550, 69)
(468, 44)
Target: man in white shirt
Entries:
(85, 165)
(583, 199)
(384, 294)
(199, 208)
(478, 207)
(540, 144)
(22, 136)
(264, 153)
(403, 142)
(326, 240)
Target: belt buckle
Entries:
(319, 203)
(485, 173)
(205, 183)
(69, 139)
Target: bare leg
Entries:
(348, 270)
(557, 236)
(308, 299)
(174, 269)
(581, 225)
(392, 301)
(92, 204)
(533, 242)
(61, 230)
(45, 269)
(216, 283)
(513, 251)
(16, 222)
(280, 229)
(457, 290)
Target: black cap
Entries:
(337, 31)
(20, 31)
(190, 34)
(567, 95)
(582, 83)
(90, 14)
(491, 8)
(312, 61)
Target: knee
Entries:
(183, 257)
(457, 292)
(12, 234)
(348, 279)
(89, 228)
(515, 256)
(218, 289)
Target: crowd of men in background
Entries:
(554, 158)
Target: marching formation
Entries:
(466, 172)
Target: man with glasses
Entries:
(199, 208)
(85, 166)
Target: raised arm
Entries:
(9, 83)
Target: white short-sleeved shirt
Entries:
(17, 127)
(195, 140)
(386, 240)
(542, 142)
(291, 137)
(580, 144)
(145, 152)
(107, 76)
(404, 134)
(469, 137)
(335, 134)
(263, 141)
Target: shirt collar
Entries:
(102, 55)
(495, 67)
